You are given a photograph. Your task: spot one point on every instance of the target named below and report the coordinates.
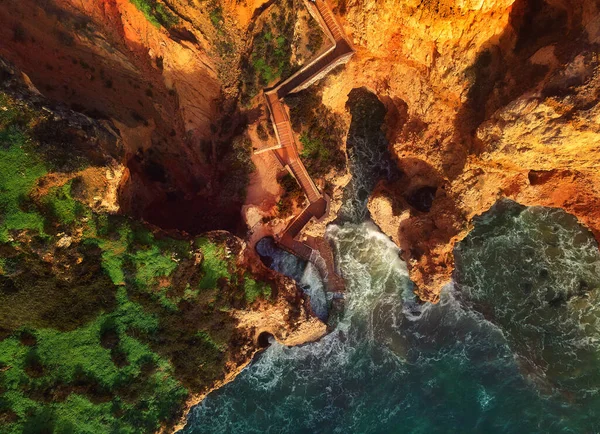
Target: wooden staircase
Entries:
(287, 151)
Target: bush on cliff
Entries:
(292, 195)
(157, 13)
(271, 53)
(321, 132)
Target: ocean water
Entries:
(512, 346)
(304, 273)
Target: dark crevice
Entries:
(422, 198)
(265, 339)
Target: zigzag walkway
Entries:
(287, 150)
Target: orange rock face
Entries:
(485, 99)
(160, 85)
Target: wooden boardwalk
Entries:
(287, 151)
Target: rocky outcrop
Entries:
(485, 100)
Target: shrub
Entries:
(261, 132)
(238, 166)
(157, 13)
(216, 16)
(315, 37)
(292, 194)
(254, 289)
(320, 132)
(271, 52)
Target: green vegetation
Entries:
(234, 162)
(225, 41)
(113, 248)
(19, 170)
(62, 206)
(254, 289)
(157, 13)
(216, 16)
(273, 44)
(96, 378)
(214, 266)
(238, 167)
(271, 51)
(292, 195)
(275, 61)
(262, 132)
(315, 37)
(18, 173)
(105, 326)
(314, 149)
(321, 132)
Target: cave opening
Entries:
(265, 339)
(422, 198)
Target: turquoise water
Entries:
(495, 355)
(512, 347)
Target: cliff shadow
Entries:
(179, 177)
(502, 71)
(369, 157)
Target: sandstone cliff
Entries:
(485, 99)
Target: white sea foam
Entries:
(312, 285)
(391, 359)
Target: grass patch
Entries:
(18, 175)
(20, 168)
(255, 290)
(81, 387)
(114, 247)
(215, 265)
(157, 13)
(128, 361)
(62, 206)
(33, 293)
(152, 264)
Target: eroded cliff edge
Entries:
(108, 323)
(485, 100)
